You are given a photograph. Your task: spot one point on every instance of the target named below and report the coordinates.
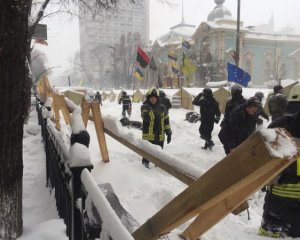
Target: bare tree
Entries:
(279, 69)
(16, 30)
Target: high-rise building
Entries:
(99, 34)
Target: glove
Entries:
(169, 138)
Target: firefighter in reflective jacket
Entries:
(125, 100)
(281, 217)
(155, 121)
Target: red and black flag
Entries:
(152, 65)
(142, 58)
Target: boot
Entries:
(210, 145)
(205, 146)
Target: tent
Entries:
(221, 95)
(286, 91)
(139, 95)
(75, 96)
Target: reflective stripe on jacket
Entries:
(155, 122)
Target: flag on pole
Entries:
(188, 68)
(172, 56)
(142, 58)
(174, 67)
(159, 81)
(152, 65)
(139, 74)
(238, 75)
(185, 44)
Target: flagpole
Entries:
(133, 67)
(237, 45)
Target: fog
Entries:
(63, 31)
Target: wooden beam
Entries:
(209, 217)
(85, 106)
(251, 160)
(99, 125)
(164, 166)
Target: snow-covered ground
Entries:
(141, 191)
(40, 219)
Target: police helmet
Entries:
(259, 95)
(236, 90)
(207, 92)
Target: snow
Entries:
(141, 191)
(111, 223)
(48, 102)
(40, 218)
(217, 84)
(76, 121)
(281, 146)
(79, 156)
(70, 103)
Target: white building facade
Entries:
(99, 34)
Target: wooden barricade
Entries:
(217, 192)
(99, 125)
(59, 104)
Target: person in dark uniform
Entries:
(260, 110)
(236, 100)
(98, 98)
(239, 126)
(281, 217)
(156, 122)
(164, 100)
(277, 103)
(126, 102)
(209, 115)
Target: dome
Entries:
(176, 33)
(219, 11)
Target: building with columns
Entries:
(267, 55)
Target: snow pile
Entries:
(113, 124)
(77, 122)
(70, 103)
(79, 156)
(279, 144)
(40, 218)
(111, 225)
(33, 129)
(45, 112)
(60, 138)
(49, 230)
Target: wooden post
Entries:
(99, 125)
(250, 163)
(85, 106)
(56, 112)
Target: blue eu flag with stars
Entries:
(238, 75)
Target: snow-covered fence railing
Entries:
(64, 179)
(112, 226)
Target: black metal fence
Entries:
(66, 184)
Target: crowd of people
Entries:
(281, 216)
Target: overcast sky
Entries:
(63, 33)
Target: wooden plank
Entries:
(251, 160)
(56, 112)
(99, 125)
(208, 218)
(164, 166)
(85, 106)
